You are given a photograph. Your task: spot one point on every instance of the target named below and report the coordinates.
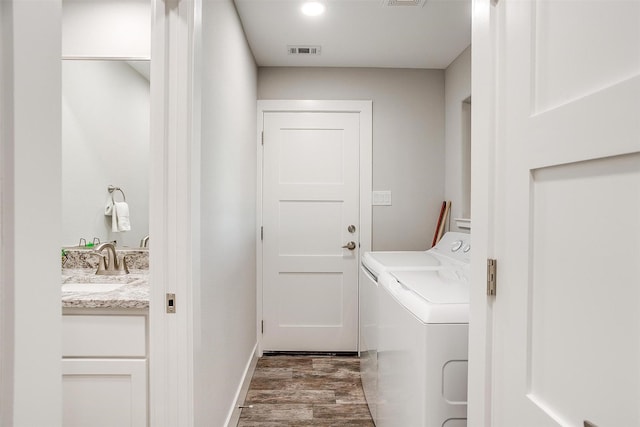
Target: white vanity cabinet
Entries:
(104, 367)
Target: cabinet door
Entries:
(104, 393)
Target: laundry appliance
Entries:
(422, 363)
(450, 258)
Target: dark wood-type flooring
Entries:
(306, 391)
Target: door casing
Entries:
(174, 201)
(364, 109)
(483, 177)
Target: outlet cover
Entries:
(381, 198)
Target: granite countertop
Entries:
(134, 293)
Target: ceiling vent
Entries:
(419, 3)
(303, 50)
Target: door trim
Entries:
(483, 197)
(364, 108)
(174, 201)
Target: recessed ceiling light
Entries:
(313, 8)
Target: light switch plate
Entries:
(171, 303)
(382, 198)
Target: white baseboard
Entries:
(243, 389)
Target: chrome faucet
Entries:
(144, 243)
(109, 265)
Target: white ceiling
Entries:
(358, 33)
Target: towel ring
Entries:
(111, 189)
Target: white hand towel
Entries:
(108, 208)
(120, 218)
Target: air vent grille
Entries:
(303, 50)
(404, 2)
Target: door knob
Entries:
(351, 246)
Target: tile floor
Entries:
(306, 391)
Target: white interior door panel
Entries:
(310, 198)
(566, 346)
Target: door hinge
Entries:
(491, 276)
(262, 137)
(262, 326)
(261, 233)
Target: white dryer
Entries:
(440, 256)
(374, 264)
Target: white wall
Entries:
(458, 133)
(105, 140)
(30, 118)
(106, 28)
(227, 330)
(408, 139)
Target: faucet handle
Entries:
(102, 263)
(122, 266)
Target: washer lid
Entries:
(379, 262)
(444, 286)
(432, 299)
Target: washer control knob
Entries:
(455, 246)
(467, 248)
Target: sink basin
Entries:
(90, 287)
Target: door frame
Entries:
(174, 189)
(364, 108)
(484, 177)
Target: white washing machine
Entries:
(374, 264)
(423, 329)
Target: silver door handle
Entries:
(351, 246)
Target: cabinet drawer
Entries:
(103, 336)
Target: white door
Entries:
(566, 347)
(310, 213)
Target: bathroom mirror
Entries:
(105, 141)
